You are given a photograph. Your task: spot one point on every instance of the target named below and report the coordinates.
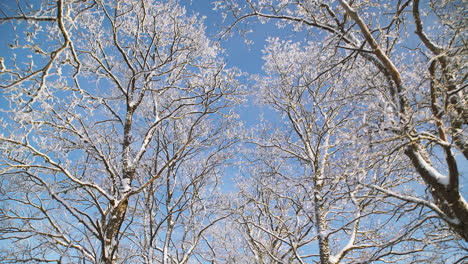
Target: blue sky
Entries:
(247, 58)
(238, 54)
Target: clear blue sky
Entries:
(238, 54)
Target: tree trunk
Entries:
(111, 232)
(321, 227)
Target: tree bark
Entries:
(447, 197)
(111, 232)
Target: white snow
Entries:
(333, 259)
(454, 221)
(465, 204)
(433, 173)
(126, 185)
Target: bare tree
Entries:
(173, 214)
(306, 197)
(116, 130)
(117, 126)
(414, 72)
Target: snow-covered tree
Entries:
(118, 121)
(401, 74)
(306, 197)
(115, 130)
(414, 56)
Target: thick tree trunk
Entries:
(111, 232)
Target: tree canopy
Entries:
(124, 136)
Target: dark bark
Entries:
(111, 232)
(447, 197)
